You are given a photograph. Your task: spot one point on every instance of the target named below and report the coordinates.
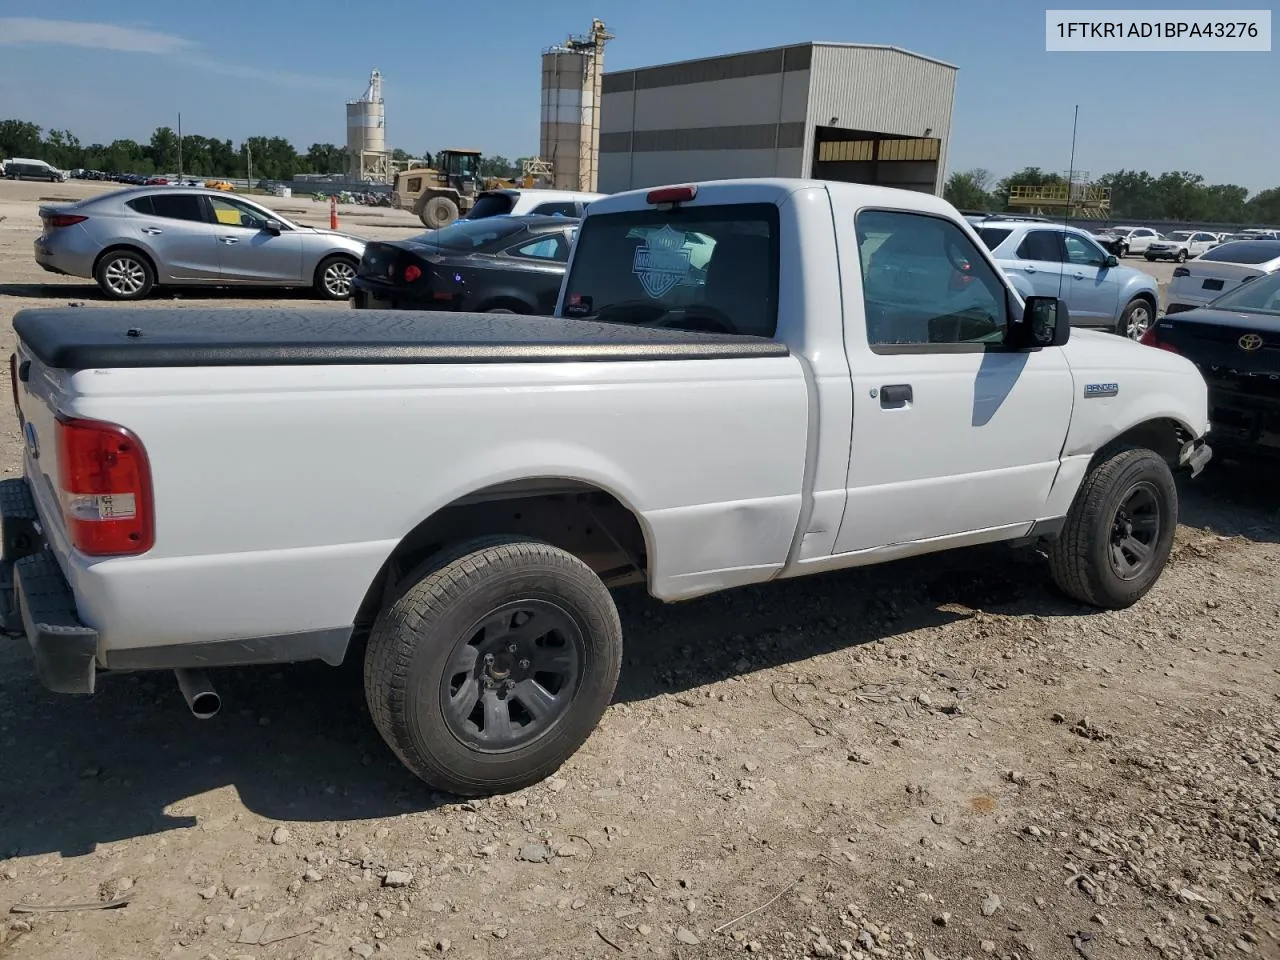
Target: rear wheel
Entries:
(1150, 258)
(494, 666)
(125, 275)
(438, 212)
(333, 278)
(1119, 531)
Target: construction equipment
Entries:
(438, 195)
(535, 173)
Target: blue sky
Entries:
(463, 76)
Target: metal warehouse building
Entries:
(834, 111)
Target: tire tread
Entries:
(437, 585)
(1070, 563)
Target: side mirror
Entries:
(272, 226)
(1046, 322)
(1112, 260)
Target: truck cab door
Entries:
(954, 435)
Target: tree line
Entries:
(273, 158)
(1135, 195)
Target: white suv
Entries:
(518, 203)
(1181, 245)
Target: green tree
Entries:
(20, 138)
(967, 190)
(163, 149)
(1264, 207)
(325, 158)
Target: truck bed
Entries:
(88, 338)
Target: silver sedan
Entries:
(134, 240)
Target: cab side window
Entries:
(926, 286)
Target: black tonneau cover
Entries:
(88, 338)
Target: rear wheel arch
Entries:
(585, 519)
(1165, 436)
(131, 248)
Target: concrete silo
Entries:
(367, 155)
(570, 128)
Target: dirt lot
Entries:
(935, 760)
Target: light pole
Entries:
(179, 146)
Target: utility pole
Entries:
(179, 145)
(248, 152)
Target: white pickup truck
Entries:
(744, 381)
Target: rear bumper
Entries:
(36, 601)
(367, 296)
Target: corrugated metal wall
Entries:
(885, 90)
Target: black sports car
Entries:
(1235, 341)
(493, 265)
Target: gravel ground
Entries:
(935, 759)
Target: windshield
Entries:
(1180, 235)
(709, 268)
(1256, 296)
(469, 234)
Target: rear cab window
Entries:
(491, 205)
(711, 268)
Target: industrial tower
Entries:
(570, 129)
(367, 155)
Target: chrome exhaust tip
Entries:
(202, 700)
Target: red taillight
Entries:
(1181, 272)
(1152, 339)
(412, 272)
(64, 219)
(671, 195)
(104, 481)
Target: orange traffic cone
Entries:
(333, 213)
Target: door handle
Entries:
(152, 231)
(895, 394)
(230, 239)
(1078, 276)
(1029, 268)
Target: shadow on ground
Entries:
(296, 743)
(1235, 498)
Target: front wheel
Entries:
(493, 667)
(1122, 250)
(1119, 531)
(438, 212)
(1150, 258)
(1181, 257)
